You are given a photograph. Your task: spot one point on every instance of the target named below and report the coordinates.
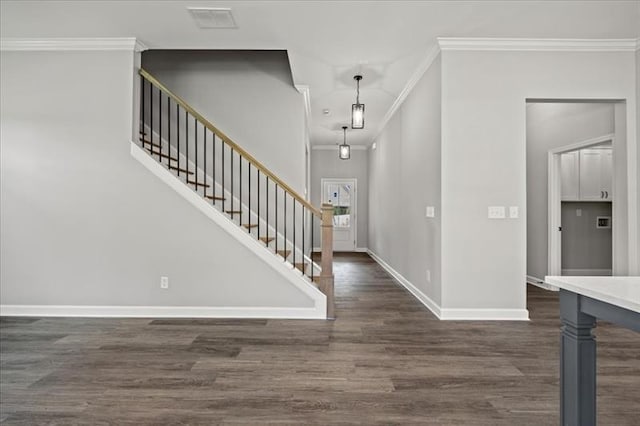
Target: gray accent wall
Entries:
(405, 178)
(83, 223)
(584, 245)
(326, 164)
(550, 126)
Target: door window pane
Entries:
(340, 196)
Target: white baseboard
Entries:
(160, 312)
(453, 313)
(484, 314)
(423, 298)
(587, 272)
(362, 249)
(540, 283)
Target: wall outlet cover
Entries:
(514, 212)
(164, 282)
(431, 211)
(496, 212)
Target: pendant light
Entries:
(357, 109)
(344, 149)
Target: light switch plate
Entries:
(514, 212)
(496, 212)
(431, 211)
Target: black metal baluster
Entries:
(249, 206)
(204, 155)
(303, 247)
(240, 170)
(142, 109)
(294, 232)
(224, 196)
(186, 137)
(168, 131)
(266, 192)
(195, 140)
(151, 117)
(159, 127)
(275, 195)
(284, 215)
(213, 183)
(311, 251)
(178, 134)
(232, 203)
(258, 203)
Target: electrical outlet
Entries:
(428, 275)
(579, 212)
(431, 211)
(513, 212)
(164, 282)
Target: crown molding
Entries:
(538, 44)
(335, 147)
(50, 44)
(424, 65)
(303, 89)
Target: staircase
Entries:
(237, 185)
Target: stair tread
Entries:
(267, 240)
(250, 225)
(284, 253)
(193, 182)
(214, 197)
(163, 155)
(180, 169)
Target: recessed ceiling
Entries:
(328, 41)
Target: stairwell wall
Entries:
(84, 224)
(248, 95)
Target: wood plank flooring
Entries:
(385, 360)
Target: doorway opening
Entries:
(580, 208)
(577, 188)
(341, 194)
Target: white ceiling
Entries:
(328, 41)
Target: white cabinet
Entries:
(569, 162)
(587, 175)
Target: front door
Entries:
(341, 193)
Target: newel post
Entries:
(326, 261)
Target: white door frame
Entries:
(554, 206)
(354, 199)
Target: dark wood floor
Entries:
(385, 360)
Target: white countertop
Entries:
(619, 291)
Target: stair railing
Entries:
(236, 183)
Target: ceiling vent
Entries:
(208, 17)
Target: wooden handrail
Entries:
(151, 79)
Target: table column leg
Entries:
(577, 364)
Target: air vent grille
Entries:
(207, 17)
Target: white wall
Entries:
(550, 126)
(326, 164)
(248, 95)
(82, 222)
(404, 178)
(484, 158)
